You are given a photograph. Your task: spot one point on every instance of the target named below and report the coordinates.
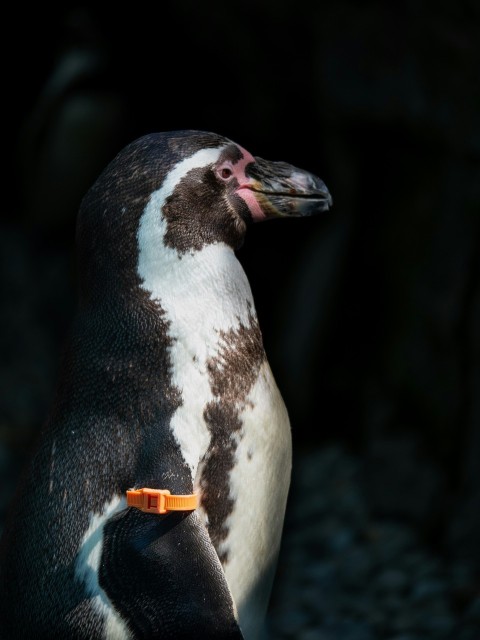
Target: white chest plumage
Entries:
(205, 297)
(259, 484)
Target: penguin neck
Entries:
(202, 293)
(174, 273)
(206, 301)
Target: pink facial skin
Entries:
(249, 197)
(244, 189)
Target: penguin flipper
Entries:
(145, 555)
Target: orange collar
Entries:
(160, 501)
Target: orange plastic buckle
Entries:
(160, 501)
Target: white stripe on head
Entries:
(153, 225)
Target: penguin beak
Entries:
(282, 190)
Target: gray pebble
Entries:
(341, 540)
(377, 618)
(462, 576)
(350, 630)
(315, 634)
(392, 603)
(323, 574)
(355, 568)
(319, 602)
(405, 621)
(470, 633)
(290, 621)
(357, 606)
(473, 612)
(391, 580)
(440, 625)
(428, 590)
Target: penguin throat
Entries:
(202, 296)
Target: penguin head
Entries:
(183, 190)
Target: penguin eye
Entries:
(225, 172)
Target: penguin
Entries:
(165, 385)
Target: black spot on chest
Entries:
(232, 373)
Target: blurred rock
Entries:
(400, 482)
(391, 580)
(378, 580)
(473, 613)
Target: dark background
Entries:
(371, 313)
